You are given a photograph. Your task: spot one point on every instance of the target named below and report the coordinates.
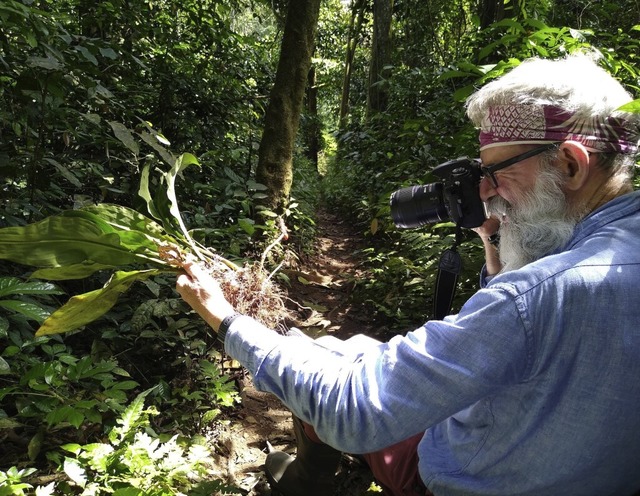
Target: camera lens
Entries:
(416, 206)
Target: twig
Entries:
(283, 235)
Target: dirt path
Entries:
(323, 286)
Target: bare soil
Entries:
(322, 286)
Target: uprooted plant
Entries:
(77, 243)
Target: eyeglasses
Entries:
(490, 170)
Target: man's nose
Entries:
(487, 189)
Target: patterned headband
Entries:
(532, 124)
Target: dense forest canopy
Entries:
(95, 93)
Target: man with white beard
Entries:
(532, 388)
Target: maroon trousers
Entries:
(395, 467)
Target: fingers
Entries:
(183, 281)
(195, 270)
(489, 227)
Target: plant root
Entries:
(249, 288)
(251, 292)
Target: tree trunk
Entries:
(490, 12)
(380, 56)
(353, 34)
(313, 127)
(275, 169)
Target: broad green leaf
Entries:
(124, 135)
(184, 161)
(35, 445)
(66, 173)
(4, 369)
(539, 25)
(76, 271)
(251, 184)
(87, 54)
(65, 240)
(76, 418)
(7, 423)
(30, 310)
(108, 53)
(48, 63)
(158, 205)
(248, 226)
(13, 285)
(59, 414)
(72, 448)
(128, 491)
(145, 193)
(85, 308)
(633, 107)
(125, 385)
(103, 92)
(135, 229)
(150, 140)
(93, 118)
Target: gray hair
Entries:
(575, 83)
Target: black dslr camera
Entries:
(456, 198)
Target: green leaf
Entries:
(184, 161)
(124, 135)
(75, 418)
(13, 285)
(138, 229)
(30, 310)
(145, 193)
(75, 472)
(85, 308)
(130, 417)
(66, 173)
(248, 226)
(87, 54)
(66, 239)
(158, 204)
(76, 271)
(108, 53)
(48, 63)
(35, 445)
(633, 107)
(125, 385)
(149, 139)
(127, 491)
(7, 423)
(5, 368)
(72, 448)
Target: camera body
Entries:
(456, 198)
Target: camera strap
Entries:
(449, 269)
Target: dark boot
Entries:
(310, 473)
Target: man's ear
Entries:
(574, 164)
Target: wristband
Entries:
(224, 325)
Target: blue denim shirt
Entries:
(532, 389)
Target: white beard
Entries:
(539, 223)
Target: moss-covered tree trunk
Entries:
(353, 34)
(275, 168)
(380, 56)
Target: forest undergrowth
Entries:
(321, 288)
